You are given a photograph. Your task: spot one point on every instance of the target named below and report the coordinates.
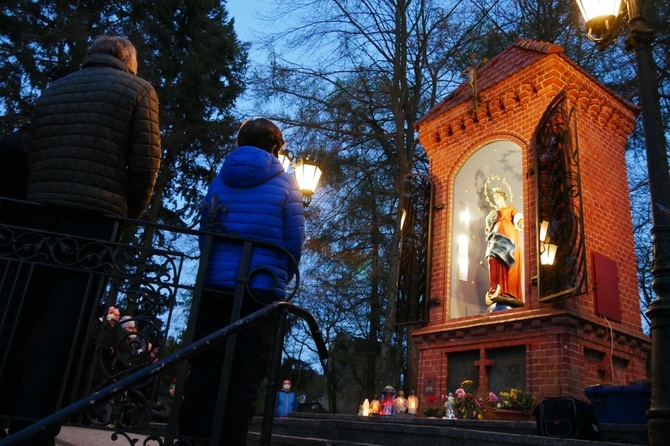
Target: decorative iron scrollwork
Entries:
(415, 250)
(142, 281)
(560, 220)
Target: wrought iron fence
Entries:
(116, 373)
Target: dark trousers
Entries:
(51, 320)
(250, 363)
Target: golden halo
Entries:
(510, 195)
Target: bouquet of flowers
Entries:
(470, 405)
(517, 399)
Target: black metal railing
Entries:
(114, 375)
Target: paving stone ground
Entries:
(79, 436)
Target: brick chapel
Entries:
(532, 124)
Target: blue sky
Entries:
(243, 12)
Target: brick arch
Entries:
(481, 141)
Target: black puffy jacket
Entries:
(95, 140)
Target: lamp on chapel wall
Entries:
(605, 20)
(548, 254)
(307, 173)
(548, 250)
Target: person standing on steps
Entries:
(258, 201)
(94, 152)
(286, 400)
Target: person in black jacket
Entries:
(13, 181)
(95, 151)
(14, 163)
(95, 140)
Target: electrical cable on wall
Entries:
(611, 348)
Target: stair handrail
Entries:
(63, 415)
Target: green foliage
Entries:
(433, 412)
(193, 58)
(40, 42)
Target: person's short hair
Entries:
(261, 133)
(116, 46)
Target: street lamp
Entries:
(285, 159)
(604, 19)
(307, 173)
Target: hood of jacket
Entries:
(249, 166)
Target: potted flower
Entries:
(515, 404)
(433, 411)
(469, 405)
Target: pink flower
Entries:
(493, 397)
(460, 393)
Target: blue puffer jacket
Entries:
(262, 202)
(286, 403)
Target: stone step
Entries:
(400, 431)
(279, 440)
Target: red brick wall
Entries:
(567, 345)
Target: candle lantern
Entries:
(388, 395)
(365, 409)
(400, 403)
(412, 403)
(374, 406)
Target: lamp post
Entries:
(604, 27)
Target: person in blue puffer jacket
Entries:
(263, 203)
(286, 400)
(260, 202)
